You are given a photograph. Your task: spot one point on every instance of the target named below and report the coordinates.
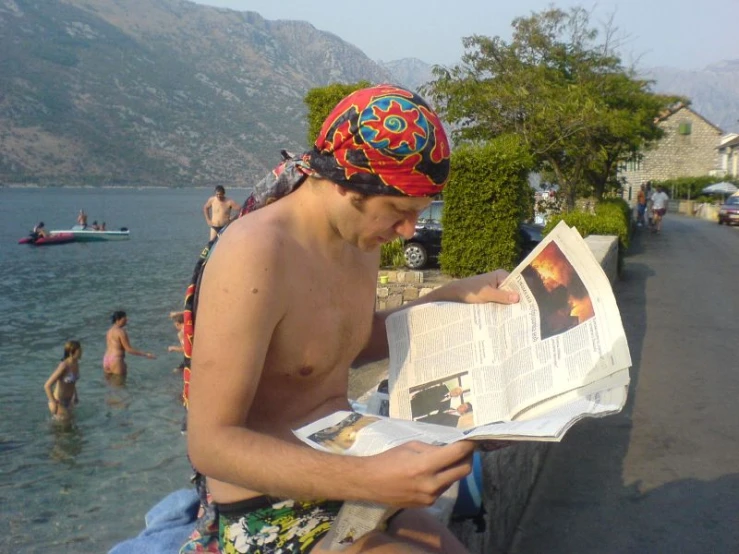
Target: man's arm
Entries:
(240, 307)
(206, 212)
(472, 290)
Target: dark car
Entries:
(729, 211)
(426, 243)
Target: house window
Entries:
(684, 128)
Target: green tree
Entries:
(322, 100)
(567, 96)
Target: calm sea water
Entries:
(85, 487)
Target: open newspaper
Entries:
(525, 371)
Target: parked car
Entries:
(729, 211)
(425, 245)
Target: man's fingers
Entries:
(451, 454)
(502, 296)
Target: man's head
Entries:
(178, 319)
(388, 155)
(464, 408)
(385, 153)
(220, 191)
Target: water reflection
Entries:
(67, 440)
(117, 395)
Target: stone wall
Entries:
(676, 155)
(395, 288)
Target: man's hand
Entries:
(415, 474)
(480, 289)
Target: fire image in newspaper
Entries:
(561, 295)
(447, 402)
(341, 437)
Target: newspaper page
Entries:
(465, 365)
(526, 371)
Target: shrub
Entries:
(321, 100)
(391, 254)
(487, 197)
(611, 217)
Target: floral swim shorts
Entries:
(266, 525)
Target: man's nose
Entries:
(406, 228)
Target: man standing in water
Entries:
(116, 346)
(218, 211)
(281, 319)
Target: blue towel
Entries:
(168, 525)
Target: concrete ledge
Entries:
(509, 474)
(605, 250)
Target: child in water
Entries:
(65, 377)
(178, 320)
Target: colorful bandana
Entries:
(383, 140)
(378, 140)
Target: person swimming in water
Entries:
(65, 377)
(116, 346)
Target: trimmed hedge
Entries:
(488, 195)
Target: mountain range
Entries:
(168, 92)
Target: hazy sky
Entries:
(687, 34)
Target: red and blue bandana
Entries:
(383, 140)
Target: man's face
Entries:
(375, 220)
(220, 195)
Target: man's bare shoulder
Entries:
(261, 243)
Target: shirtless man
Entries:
(116, 346)
(217, 211)
(280, 320)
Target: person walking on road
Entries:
(659, 205)
(641, 206)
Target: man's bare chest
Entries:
(328, 322)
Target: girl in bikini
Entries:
(116, 346)
(65, 377)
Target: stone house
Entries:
(689, 148)
(728, 154)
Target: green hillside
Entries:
(156, 92)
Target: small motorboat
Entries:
(78, 233)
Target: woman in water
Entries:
(116, 346)
(65, 376)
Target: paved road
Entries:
(663, 476)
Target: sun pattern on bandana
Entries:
(383, 140)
